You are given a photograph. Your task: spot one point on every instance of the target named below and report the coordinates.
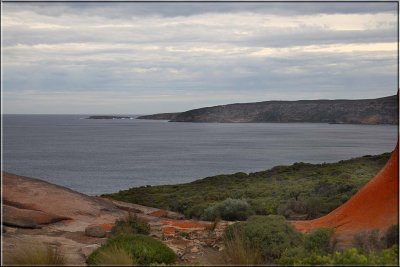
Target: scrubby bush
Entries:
(315, 207)
(196, 211)
(331, 183)
(144, 250)
(314, 259)
(264, 206)
(315, 246)
(307, 207)
(291, 255)
(368, 241)
(319, 241)
(271, 235)
(113, 255)
(355, 257)
(238, 251)
(34, 254)
(352, 256)
(292, 208)
(130, 225)
(392, 236)
(230, 209)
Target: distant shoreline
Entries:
(107, 117)
(365, 111)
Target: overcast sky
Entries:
(139, 58)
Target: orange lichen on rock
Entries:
(184, 224)
(107, 226)
(169, 230)
(375, 206)
(159, 213)
(17, 217)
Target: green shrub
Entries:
(230, 209)
(318, 241)
(315, 246)
(315, 259)
(352, 256)
(34, 254)
(130, 225)
(144, 250)
(291, 255)
(271, 235)
(196, 211)
(392, 236)
(114, 255)
(292, 207)
(264, 206)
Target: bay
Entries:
(104, 156)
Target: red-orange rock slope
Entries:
(375, 206)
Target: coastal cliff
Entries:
(159, 116)
(365, 111)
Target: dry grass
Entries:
(34, 254)
(237, 252)
(114, 256)
(213, 225)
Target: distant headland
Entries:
(364, 111)
(107, 117)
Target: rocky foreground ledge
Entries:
(35, 211)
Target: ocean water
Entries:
(104, 156)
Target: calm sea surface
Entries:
(103, 156)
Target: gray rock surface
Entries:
(95, 231)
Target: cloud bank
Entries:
(136, 58)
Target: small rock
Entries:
(86, 251)
(209, 242)
(194, 249)
(95, 231)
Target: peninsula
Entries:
(108, 117)
(364, 111)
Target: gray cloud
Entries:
(155, 57)
(116, 10)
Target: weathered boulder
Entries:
(95, 231)
(25, 218)
(34, 194)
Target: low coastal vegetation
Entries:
(263, 202)
(229, 209)
(128, 249)
(272, 240)
(298, 191)
(130, 225)
(130, 244)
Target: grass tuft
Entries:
(114, 256)
(239, 252)
(34, 254)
